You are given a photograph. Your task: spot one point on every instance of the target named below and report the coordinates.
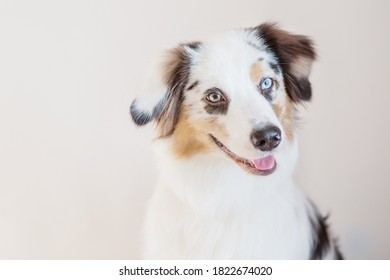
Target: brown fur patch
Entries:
(191, 138)
(256, 72)
(176, 71)
(286, 115)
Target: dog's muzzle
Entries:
(262, 166)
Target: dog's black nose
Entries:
(267, 138)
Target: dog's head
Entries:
(235, 95)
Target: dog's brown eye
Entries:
(216, 101)
(215, 97)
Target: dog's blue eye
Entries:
(267, 83)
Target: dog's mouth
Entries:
(262, 166)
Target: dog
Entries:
(225, 112)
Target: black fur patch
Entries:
(275, 67)
(216, 109)
(338, 256)
(193, 45)
(321, 241)
(297, 89)
(193, 85)
(140, 118)
(304, 89)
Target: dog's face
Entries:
(235, 95)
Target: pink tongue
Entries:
(264, 163)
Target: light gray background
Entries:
(75, 172)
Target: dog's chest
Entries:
(253, 236)
(260, 228)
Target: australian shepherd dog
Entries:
(225, 112)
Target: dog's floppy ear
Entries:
(295, 54)
(162, 96)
